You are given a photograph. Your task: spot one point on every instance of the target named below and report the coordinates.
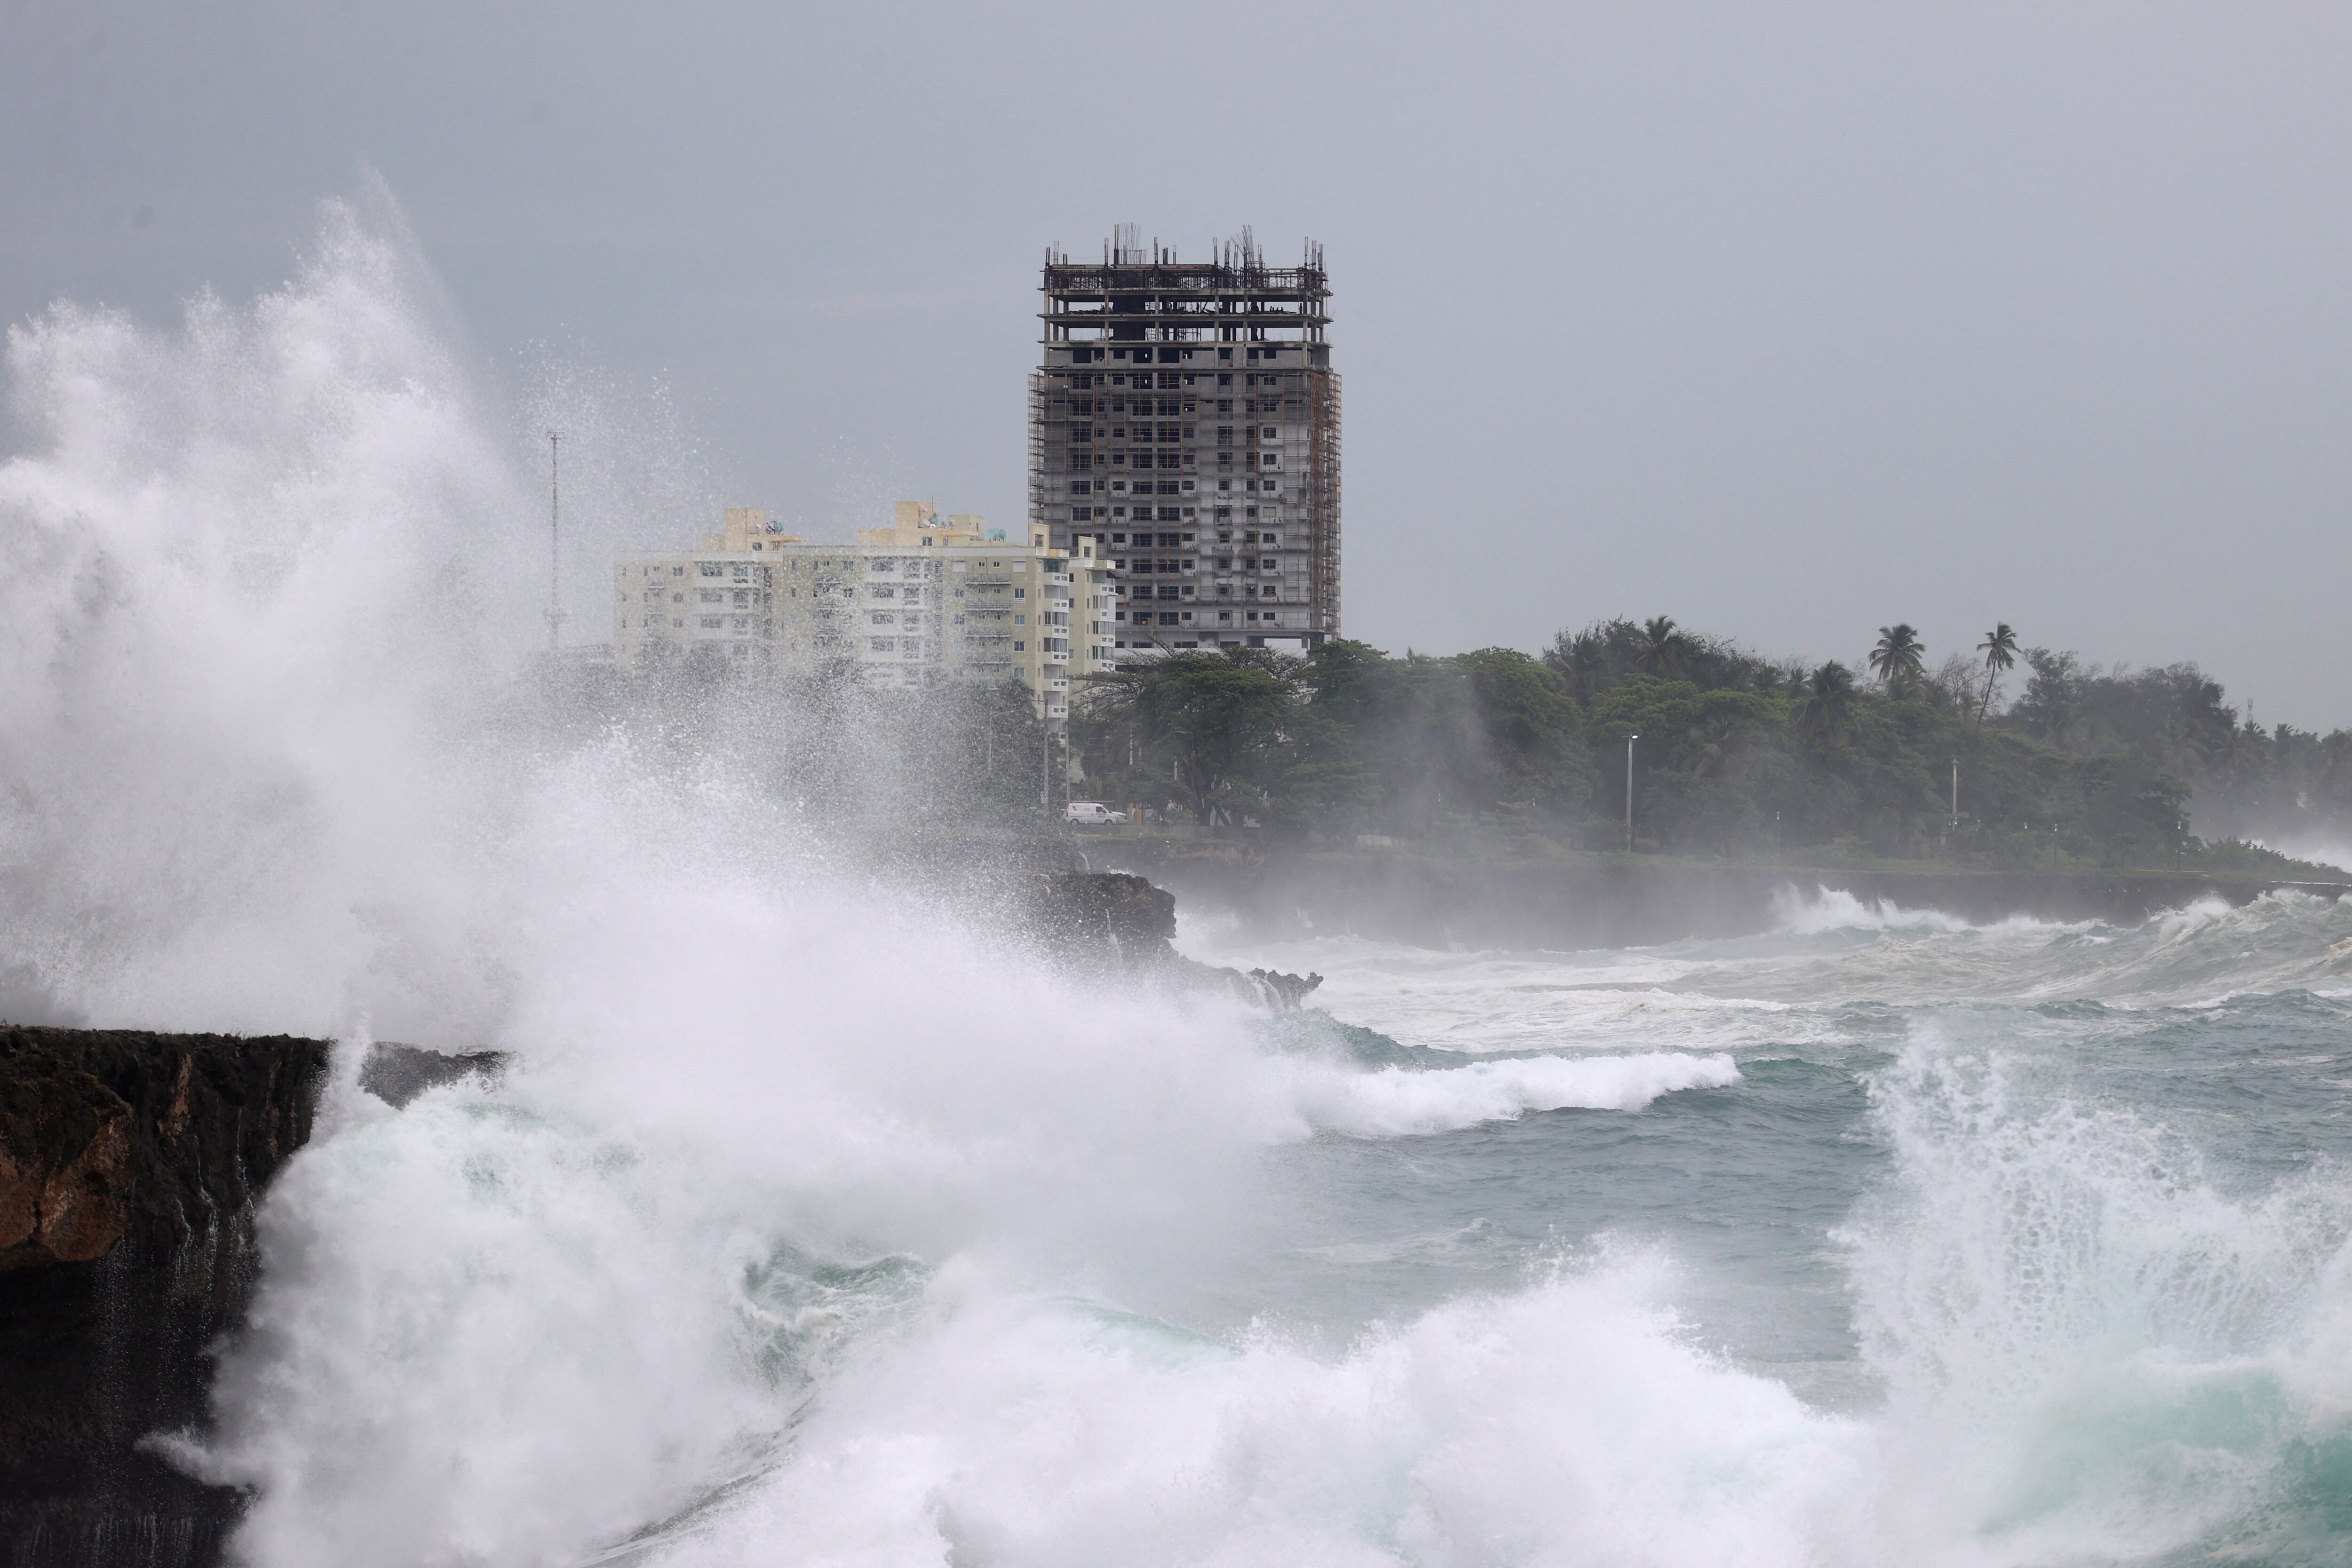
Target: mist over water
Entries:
(817, 1223)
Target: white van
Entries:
(1091, 814)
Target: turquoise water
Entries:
(1878, 1238)
(2066, 1202)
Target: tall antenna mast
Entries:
(554, 543)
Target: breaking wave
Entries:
(815, 1226)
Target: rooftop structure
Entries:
(1185, 417)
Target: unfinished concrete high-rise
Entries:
(1185, 414)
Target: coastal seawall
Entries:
(1609, 903)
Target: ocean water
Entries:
(1878, 1238)
(816, 1224)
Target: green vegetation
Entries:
(1738, 756)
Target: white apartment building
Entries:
(928, 599)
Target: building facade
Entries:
(930, 599)
(1185, 418)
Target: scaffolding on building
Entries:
(1235, 345)
(1323, 501)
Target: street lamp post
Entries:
(554, 544)
(1629, 792)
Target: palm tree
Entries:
(1711, 747)
(1899, 658)
(1826, 703)
(1661, 645)
(2000, 651)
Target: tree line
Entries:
(2066, 764)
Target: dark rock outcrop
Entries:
(129, 1165)
(1109, 923)
(1285, 993)
(396, 1073)
(1102, 923)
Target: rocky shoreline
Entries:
(132, 1163)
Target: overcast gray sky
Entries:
(1787, 320)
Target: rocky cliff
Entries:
(129, 1165)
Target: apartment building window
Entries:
(713, 622)
(712, 569)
